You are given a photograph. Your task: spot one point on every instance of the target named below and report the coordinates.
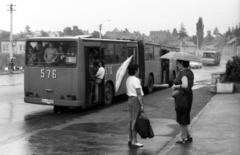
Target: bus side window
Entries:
(109, 53)
(121, 52)
(149, 52)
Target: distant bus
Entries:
(64, 82)
(211, 57)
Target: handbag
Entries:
(181, 102)
(143, 126)
(175, 93)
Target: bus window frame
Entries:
(54, 41)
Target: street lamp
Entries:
(100, 28)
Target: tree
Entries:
(193, 39)
(209, 37)
(44, 34)
(174, 33)
(27, 28)
(67, 31)
(228, 34)
(182, 32)
(76, 31)
(216, 31)
(95, 34)
(200, 32)
(4, 35)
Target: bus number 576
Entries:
(48, 73)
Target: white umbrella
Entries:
(180, 56)
(121, 72)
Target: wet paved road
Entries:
(25, 127)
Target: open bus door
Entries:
(165, 67)
(89, 89)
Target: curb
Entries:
(171, 143)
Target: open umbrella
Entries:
(180, 56)
(121, 72)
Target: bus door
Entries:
(91, 54)
(165, 67)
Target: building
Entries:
(85, 32)
(116, 34)
(158, 36)
(54, 33)
(18, 45)
(189, 47)
(232, 47)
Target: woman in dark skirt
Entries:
(184, 81)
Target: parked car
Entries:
(194, 64)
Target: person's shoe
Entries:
(189, 138)
(137, 144)
(182, 141)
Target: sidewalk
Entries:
(215, 130)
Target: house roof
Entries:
(190, 44)
(233, 40)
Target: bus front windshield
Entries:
(208, 55)
(51, 53)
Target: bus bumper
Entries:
(66, 103)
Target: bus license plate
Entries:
(47, 101)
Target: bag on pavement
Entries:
(143, 126)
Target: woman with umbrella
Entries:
(184, 81)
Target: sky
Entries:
(135, 15)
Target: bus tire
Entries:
(108, 94)
(57, 109)
(149, 88)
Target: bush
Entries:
(233, 70)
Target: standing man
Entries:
(99, 77)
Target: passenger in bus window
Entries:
(39, 50)
(117, 58)
(93, 55)
(32, 58)
(61, 58)
(99, 76)
(50, 54)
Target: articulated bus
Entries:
(211, 57)
(64, 82)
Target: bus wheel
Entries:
(108, 94)
(150, 84)
(57, 109)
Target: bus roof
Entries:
(74, 38)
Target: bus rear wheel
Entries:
(57, 109)
(150, 84)
(108, 94)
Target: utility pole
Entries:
(197, 45)
(100, 29)
(11, 37)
